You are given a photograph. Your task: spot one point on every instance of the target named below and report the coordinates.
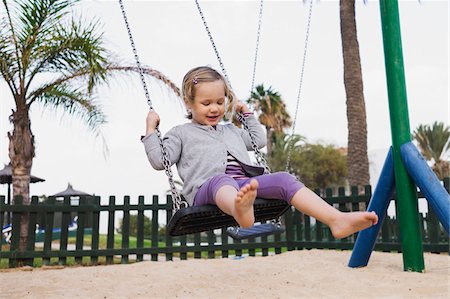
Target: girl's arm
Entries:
(254, 127)
(171, 142)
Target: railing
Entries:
(84, 244)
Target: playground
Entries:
(295, 274)
(298, 272)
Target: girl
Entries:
(213, 162)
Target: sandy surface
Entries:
(295, 274)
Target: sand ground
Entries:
(295, 274)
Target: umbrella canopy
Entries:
(6, 176)
(70, 192)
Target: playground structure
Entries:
(404, 167)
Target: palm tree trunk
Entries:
(357, 160)
(21, 154)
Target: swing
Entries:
(189, 220)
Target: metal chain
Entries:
(258, 34)
(177, 202)
(291, 144)
(224, 72)
(259, 156)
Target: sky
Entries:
(170, 37)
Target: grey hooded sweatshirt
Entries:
(200, 152)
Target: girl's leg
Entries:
(238, 204)
(341, 224)
(284, 186)
(232, 199)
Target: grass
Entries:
(132, 241)
(86, 261)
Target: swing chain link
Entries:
(305, 49)
(177, 202)
(258, 34)
(224, 72)
(259, 156)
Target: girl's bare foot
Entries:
(243, 209)
(350, 223)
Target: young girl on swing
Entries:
(213, 162)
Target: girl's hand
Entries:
(152, 122)
(240, 107)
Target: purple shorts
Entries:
(278, 185)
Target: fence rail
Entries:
(57, 241)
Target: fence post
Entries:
(49, 217)
(318, 224)
(307, 231)
(264, 250)
(343, 208)
(355, 206)
(211, 241)
(183, 241)
(80, 230)
(126, 228)
(169, 241)
(110, 237)
(63, 237)
(31, 231)
(155, 225)
(95, 229)
(224, 238)
(329, 199)
(140, 228)
(288, 220)
(299, 217)
(15, 232)
(197, 253)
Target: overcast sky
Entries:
(170, 38)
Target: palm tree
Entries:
(434, 144)
(47, 57)
(272, 112)
(357, 159)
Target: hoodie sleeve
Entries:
(172, 143)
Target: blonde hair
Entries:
(206, 74)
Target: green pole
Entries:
(407, 207)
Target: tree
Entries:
(316, 165)
(357, 159)
(434, 145)
(272, 112)
(280, 149)
(48, 57)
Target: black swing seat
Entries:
(204, 218)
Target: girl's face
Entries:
(208, 106)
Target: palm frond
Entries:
(74, 101)
(110, 70)
(8, 69)
(69, 49)
(433, 141)
(150, 72)
(271, 108)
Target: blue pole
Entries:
(428, 182)
(365, 242)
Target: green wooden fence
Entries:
(86, 245)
